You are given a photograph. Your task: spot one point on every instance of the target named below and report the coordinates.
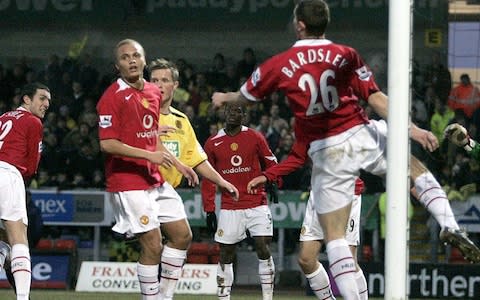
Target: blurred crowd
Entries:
(71, 155)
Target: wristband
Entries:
(470, 145)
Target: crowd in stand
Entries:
(71, 156)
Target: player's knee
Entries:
(263, 251)
(151, 248)
(181, 241)
(306, 262)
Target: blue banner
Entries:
(48, 271)
(55, 207)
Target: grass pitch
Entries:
(6, 294)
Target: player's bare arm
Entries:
(115, 147)
(220, 99)
(207, 171)
(379, 102)
(256, 182)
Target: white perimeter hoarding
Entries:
(121, 277)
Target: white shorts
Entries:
(312, 231)
(233, 224)
(13, 205)
(144, 210)
(336, 166)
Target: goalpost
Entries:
(398, 146)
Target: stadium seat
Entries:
(65, 244)
(197, 259)
(44, 244)
(199, 249)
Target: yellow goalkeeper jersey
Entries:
(182, 143)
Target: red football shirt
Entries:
(295, 159)
(130, 116)
(323, 82)
(21, 135)
(238, 159)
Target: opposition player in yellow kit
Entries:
(181, 139)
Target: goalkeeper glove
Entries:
(458, 135)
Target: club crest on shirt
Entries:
(144, 220)
(145, 103)
(178, 124)
(220, 232)
(303, 230)
(234, 146)
(105, 121)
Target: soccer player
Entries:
(21, 133)
(311, 234)
(141, 200)
(323, 82)
(238, 153)
(182, 141)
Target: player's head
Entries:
(164, 74)
(36, 98)
(130, 60)
(235, 113)
(311, 18)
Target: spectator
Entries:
(272, 136)
(438, 77)
(247, 64)
(465, 97)
(440, 119)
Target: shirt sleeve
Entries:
(262, 82)
(208, 188)
(109, 126)
(194, 152)
(295, 159)
(362, 80)
(34, 141)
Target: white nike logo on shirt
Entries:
(128, 97)
(216, 144)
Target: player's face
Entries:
(163, 79)
(130, 61)
(234, 115)
(38, 106)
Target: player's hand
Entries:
(164, 130)
(457, 134)
(218, 99)
(211, 222)
(162, 158)
(188, 173)
(230, 188)
(425, 138)
(255, 183)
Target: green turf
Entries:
(71, 295)
(6, 294)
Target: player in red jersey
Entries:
(21, 133)
(238, 154)
(324, 82)
(311, 234)
(129, 135)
